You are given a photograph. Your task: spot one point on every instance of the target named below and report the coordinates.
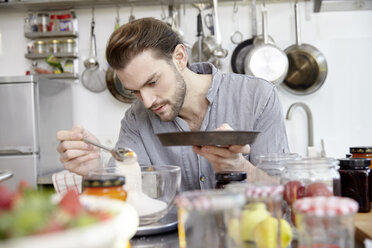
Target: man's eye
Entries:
(152, 83)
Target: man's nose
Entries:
(147, 98)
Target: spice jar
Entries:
(105, 185)
(65, 23)
(54, 23)
(354, 174)
(209, 218)
(226, 177)
(326, 221)
(40, 47)
(69, 46)
(363, 152)
(54, 46)
(43, 22)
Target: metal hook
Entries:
(117, 15)
(163, 15)
(235, 8)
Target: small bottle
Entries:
(105, 185)
(40, 47)
(68, 66)
(54, 23)
(27, 25)
(363, 152)
(43, 20)
(354, 174)
(326, 221)
(69, 46)
(65, 23)
(226, 177)
(54, 46)
(33, 22)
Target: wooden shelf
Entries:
(59, 76)
(57, 55)
(44, 35)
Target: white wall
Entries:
(340, 108)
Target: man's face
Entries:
(156, 82)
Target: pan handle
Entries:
(264, 25)
(297, 24)
(254, 19)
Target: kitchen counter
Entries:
(165, 240)
(363, 226)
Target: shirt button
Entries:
(202, 178)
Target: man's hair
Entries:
(134, 37)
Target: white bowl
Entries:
(114, 232)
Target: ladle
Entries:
(91, 62)
(118, 153)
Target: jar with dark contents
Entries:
(354, 174)
(226, 177)
(363, 152)
(105, 185)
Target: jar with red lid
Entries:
(65, 23)
(363, 152)
(105, 185)
(226, 177)
(354, 174)
(326, 222)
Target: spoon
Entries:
(91, 62)
(119, 154)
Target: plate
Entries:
(200, 138)
(167, 223)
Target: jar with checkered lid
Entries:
(325, 221)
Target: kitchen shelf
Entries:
(59, 76)
(43, 35)
(57, 55)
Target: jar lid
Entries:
(70, 41)
(54, 41)
(96, 181)
(354, 163)
(323, 206)
(264, 191)
(39, 42)
(361, 149)
(206, 200)
(43, 14)
(64, 16)
(231, 176)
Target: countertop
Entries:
(164, 240)
(363, 226)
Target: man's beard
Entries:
(178, 97)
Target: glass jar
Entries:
(226, 177)
(325, 221)
(43, 22)
(209, 218)
(65, 23)
(354, 174)
(68, 66)
(363, 152)
(54, 23)
(69, 46)
(54, 46)
(105, 185)
(40, 47)
(273, 164)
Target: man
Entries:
(151, 61)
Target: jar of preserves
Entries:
(54, 46)
(226, 177)
(325, 221)
(69, 46)
(363, 152)
(354, 174)
(40, 47)
(43, 22)
(105, 185)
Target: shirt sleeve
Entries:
(270, 122)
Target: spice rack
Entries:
(62, 44)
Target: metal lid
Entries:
(70, 41)
(95, 181)
(54, 41)
(326, 206)
(231, 176)
(354, 163)
(39, 42)
(361, 149)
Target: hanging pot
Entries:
(116, 88)
(307, 65)
(266, 60)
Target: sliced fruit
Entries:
(253, 214)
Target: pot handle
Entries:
(297, 24)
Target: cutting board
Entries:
(363, 226)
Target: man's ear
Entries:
(180, 57)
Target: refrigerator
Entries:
(32, 110)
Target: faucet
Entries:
(310, 133)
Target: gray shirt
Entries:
(243, 102)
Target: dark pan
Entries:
(116, 88)
(213, 138)
(239, 54)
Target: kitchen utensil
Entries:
(112, 81)
(236, 37)
(218, 52)
(215, 138)
(93, 77)
(241, 51)
(118, 153)
(5, 174)
(266, 60)
(307, 65)
(131, 17)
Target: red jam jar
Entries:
(105, 185)
(354, 173)
(363, 152)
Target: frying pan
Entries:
(307, 65)
(241, 51)
(266, 60)
(203, 138)
(116, 88)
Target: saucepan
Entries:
(307, 65)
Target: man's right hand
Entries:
(76, 155)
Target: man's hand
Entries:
(75, 154)
(225, 158)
